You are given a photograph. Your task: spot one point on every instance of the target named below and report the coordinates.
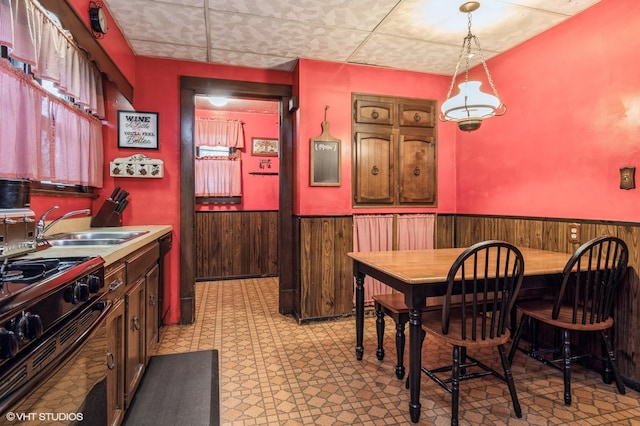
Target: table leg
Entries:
(359, 315)
(415, 361)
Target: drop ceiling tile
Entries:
(403, 53)
(169, 22)
(243, 59)
(268, 36)
(354, 14)
(165, 50)
(566, 7)
(497, 25)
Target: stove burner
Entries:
(31, 271)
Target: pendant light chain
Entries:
(484, 63)
(471, 105)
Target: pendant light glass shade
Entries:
(470, 106)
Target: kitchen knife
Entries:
(114, 193)
(121, 206)
(122, 196)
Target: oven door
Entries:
(73, 391)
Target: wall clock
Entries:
(97, 19)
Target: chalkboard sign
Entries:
(325, 159)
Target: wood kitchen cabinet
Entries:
(394, 153)
(134, 339)
(152, 327)
(132, 325)
(115, 363)
(142, 269)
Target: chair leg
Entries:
(515, 341)
(380, 331)
(506, 365)
(400, 341)
(566, 365)
(455, 385)
(611, 358)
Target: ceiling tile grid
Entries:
(416, 35)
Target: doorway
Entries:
(189, 88)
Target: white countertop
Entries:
(110, 253)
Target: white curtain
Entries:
(372, 233)
(219, 132)
(218, 177)
(45, 138)
(35, 39)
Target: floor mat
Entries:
(178, 389)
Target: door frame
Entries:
(189, 88)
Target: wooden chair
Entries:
(487, 276)
(583, 303)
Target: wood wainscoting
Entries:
(324, 276)
(236, 244)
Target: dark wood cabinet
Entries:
(394, 152)
(152, 327)
(135, 341)
(375, 175)
(115, 364)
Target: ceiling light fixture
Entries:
(218, 101)
(470, 106)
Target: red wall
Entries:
(327, 84)
(573, 120)
(113, 42)
(259, 192)
(573, 95)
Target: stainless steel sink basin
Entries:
(102, 242)
(93, 238)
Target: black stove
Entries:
(36, 294)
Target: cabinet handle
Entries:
(416, 117)
(111, 361)
(152, 299)
(135, 321)
(375, 170)
(375, 114)
(416, 171)
(114, 285)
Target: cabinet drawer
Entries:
(416, 115)
(374, 112)
(115, 278)
(141, 261)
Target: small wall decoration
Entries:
(627, 178)
(325, 158)
(264, 147)
(137, 129)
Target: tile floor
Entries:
(276, 372)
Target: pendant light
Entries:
(470, 106)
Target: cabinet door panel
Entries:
(135, 343)
(417, 169)
(417, 115)
(374, 112)
(375, 172)
(152, 280)
(115, 364)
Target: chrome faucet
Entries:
(41, 228)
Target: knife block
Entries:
(107, 215)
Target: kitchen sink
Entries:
(93, 238)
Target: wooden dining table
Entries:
(421, 274)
